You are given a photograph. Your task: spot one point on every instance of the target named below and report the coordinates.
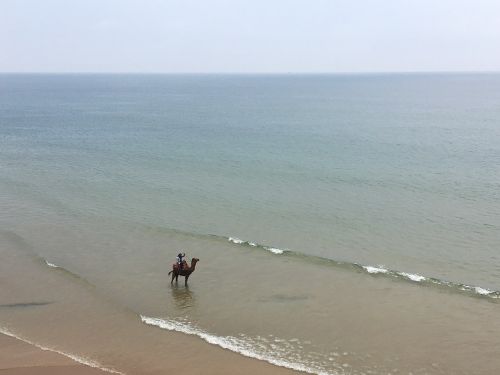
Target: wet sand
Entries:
(20, 358)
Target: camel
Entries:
(186, 271)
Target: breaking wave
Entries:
(377, 270)
(76, 277)
(51, 264)
(373, 270)
(273, 250)
(246, 346)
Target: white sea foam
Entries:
(412, 276)
(274, 250)
(381, 270)
(420, 278)
(371, 269)
(76, 358)
(51, 264)
(234, 344)
(236, 240)
(482, 291)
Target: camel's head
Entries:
(195, 260)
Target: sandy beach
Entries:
(20, 358)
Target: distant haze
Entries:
(254, 36)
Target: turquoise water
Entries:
(109, 176)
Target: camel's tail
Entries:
(170, 272)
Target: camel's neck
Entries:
(193, 265)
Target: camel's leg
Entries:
(186, 280)
(176, 278)
(173, 275)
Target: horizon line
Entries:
(256, 73)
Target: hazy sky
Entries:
(249, 36)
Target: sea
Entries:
(344, 223)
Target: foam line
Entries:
(51, 264)
(231, 343)
(376, 270)
(82, 360)
(371, 269)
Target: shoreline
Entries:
(20, 358)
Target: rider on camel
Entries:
(180, 262)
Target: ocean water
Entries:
(344, 223)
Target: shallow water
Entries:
(345, 224)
